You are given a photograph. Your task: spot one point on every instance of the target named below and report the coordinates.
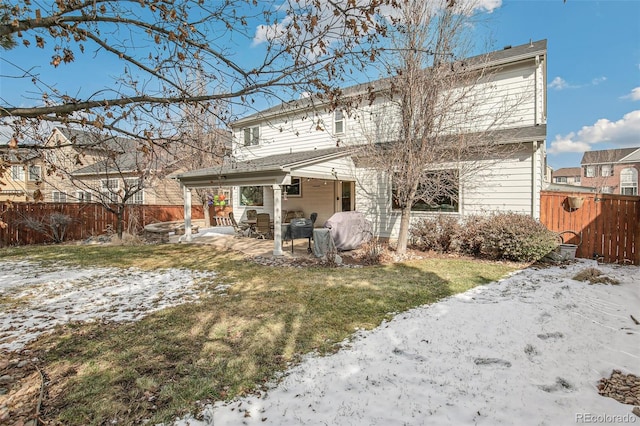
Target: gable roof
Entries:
(492, 59)
(567, 172)
(607, 155)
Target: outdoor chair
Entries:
(251, 214)
(241, 231)
(263, 226)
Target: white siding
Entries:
(507, 185)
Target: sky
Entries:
(593, 69)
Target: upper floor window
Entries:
(606, 170)
(576, 179)
(590, 171)
(252, 136)
(17, 173)
(561, 179)
(338, 122)
(35, 173)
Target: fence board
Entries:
(89, 219)
(608, 224)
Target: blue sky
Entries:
(593, 70)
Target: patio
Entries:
(224, 237)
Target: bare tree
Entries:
(113, 171)
(301, 45)
(433, 115)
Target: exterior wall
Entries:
(613, 182)
(507, 185)
(514, 94)
(22, 189)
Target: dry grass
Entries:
(594, 276)
(226, 344)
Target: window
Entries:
(438, 192)
(251, 196)
(338, 122)
(606, 170)
(83, 196)
(134, 185)
(110, 187)
(561, 179)
(590, 171)
(295, 189)
(606, 190)
(251, 136)
(35, 173)
(59, 197)
(17, 173)
(576, 179)
(629, 181)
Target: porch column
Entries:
(277, 220)
(187, 215)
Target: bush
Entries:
(441, 233)
(516, 237)
(504, 236)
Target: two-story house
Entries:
(567, 176)
(20, 174)
(84, 166)
(612, 171)
(301, 156)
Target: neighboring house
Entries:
(567, 176)
(84, 167)
(296, 156)
(21, 172)
(612, 171)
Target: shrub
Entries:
(516, 237)
(441, 233)
(53, 225)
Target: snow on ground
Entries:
(528, 350)
(38, 298)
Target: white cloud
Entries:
(623, 132)
(634, 95)
(559, 83)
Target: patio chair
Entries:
(251, 214)
(263, 226)
(241, 231)
(291, 214)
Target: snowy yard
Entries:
(528, 350)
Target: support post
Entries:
(277, 220)
(187, 215)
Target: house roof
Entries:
(567, 172)
(260, 169)
(86, 139)
(492, 59)
(634, 157)
(607, 155)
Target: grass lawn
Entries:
(224, 345)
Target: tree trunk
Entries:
(120, 223)
(403, 235)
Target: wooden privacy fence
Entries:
(609, 225)
(88, 219)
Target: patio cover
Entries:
(274, 171)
